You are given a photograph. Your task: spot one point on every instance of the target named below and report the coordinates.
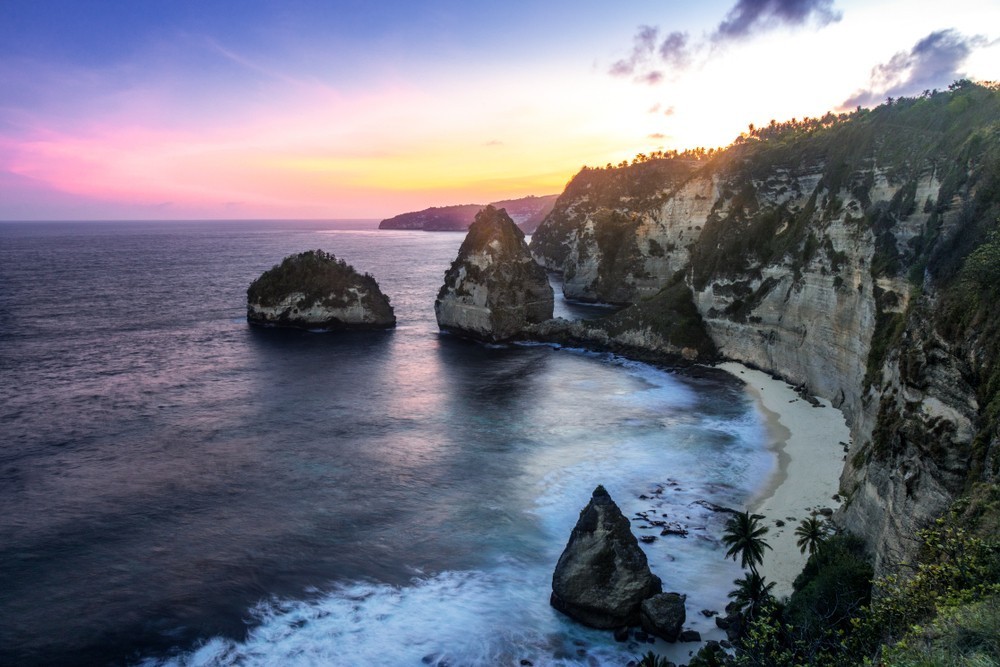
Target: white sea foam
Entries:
(660, 462)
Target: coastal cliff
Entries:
(851, 255)
(526, 212)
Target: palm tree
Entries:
(744, 537)
(751, 594)
(811, 533)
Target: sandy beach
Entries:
(809, 443)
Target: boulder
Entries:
(494, 290)
(315, 290)
(663, 615)
(602, 576)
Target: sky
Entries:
(202, 109)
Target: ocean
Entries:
(178, 488)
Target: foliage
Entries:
(318, 275)
(670, 313)
(963, 636)
(832, 588)
(812, 532)
(752, 593)
(744, 536)
(652, 660)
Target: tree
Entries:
(744, 535)
(752, 592)
(811, 533)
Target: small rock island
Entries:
(494, 289)
(603, 578)
(315, 290)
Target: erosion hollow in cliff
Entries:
(315, 290)
(494, 289)
(602, 577)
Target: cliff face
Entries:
(315, 290)
(493, 291)
(833, 253)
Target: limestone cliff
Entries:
(831, 252)
(315, 290)
(494, 290)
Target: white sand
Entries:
(808, 443)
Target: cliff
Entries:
(494, 290)
(315, 290)
(526, 212)
(849, 254)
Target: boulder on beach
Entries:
(663, 615)
(315, 290)
(602, 576)
(494, 290)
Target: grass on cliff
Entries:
(671, 314)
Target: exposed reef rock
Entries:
(526, 212)
(494, 290)
(602, 576)
(854, 255)
(315, 290)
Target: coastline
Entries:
(808, 442)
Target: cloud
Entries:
(652, 59)
(643, 45)
(751, 16)
(657, 135)
(674, 51)
(649, 55)
(934, 62)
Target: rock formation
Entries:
(851, 255)
(663, 615)
(602, 577)
(315, 290)
(494, 290)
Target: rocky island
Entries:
(494, 290)
(315, 290)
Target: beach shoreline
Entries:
(809, 443)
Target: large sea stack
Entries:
(315, 290)
(602, 577)
(494, 290)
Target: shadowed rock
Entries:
(315, 290)
(602, 576)
(494, 290)
(663, 615)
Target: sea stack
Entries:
(494, 289)
(602, 577)
(315, 290)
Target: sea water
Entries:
(180, 488)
